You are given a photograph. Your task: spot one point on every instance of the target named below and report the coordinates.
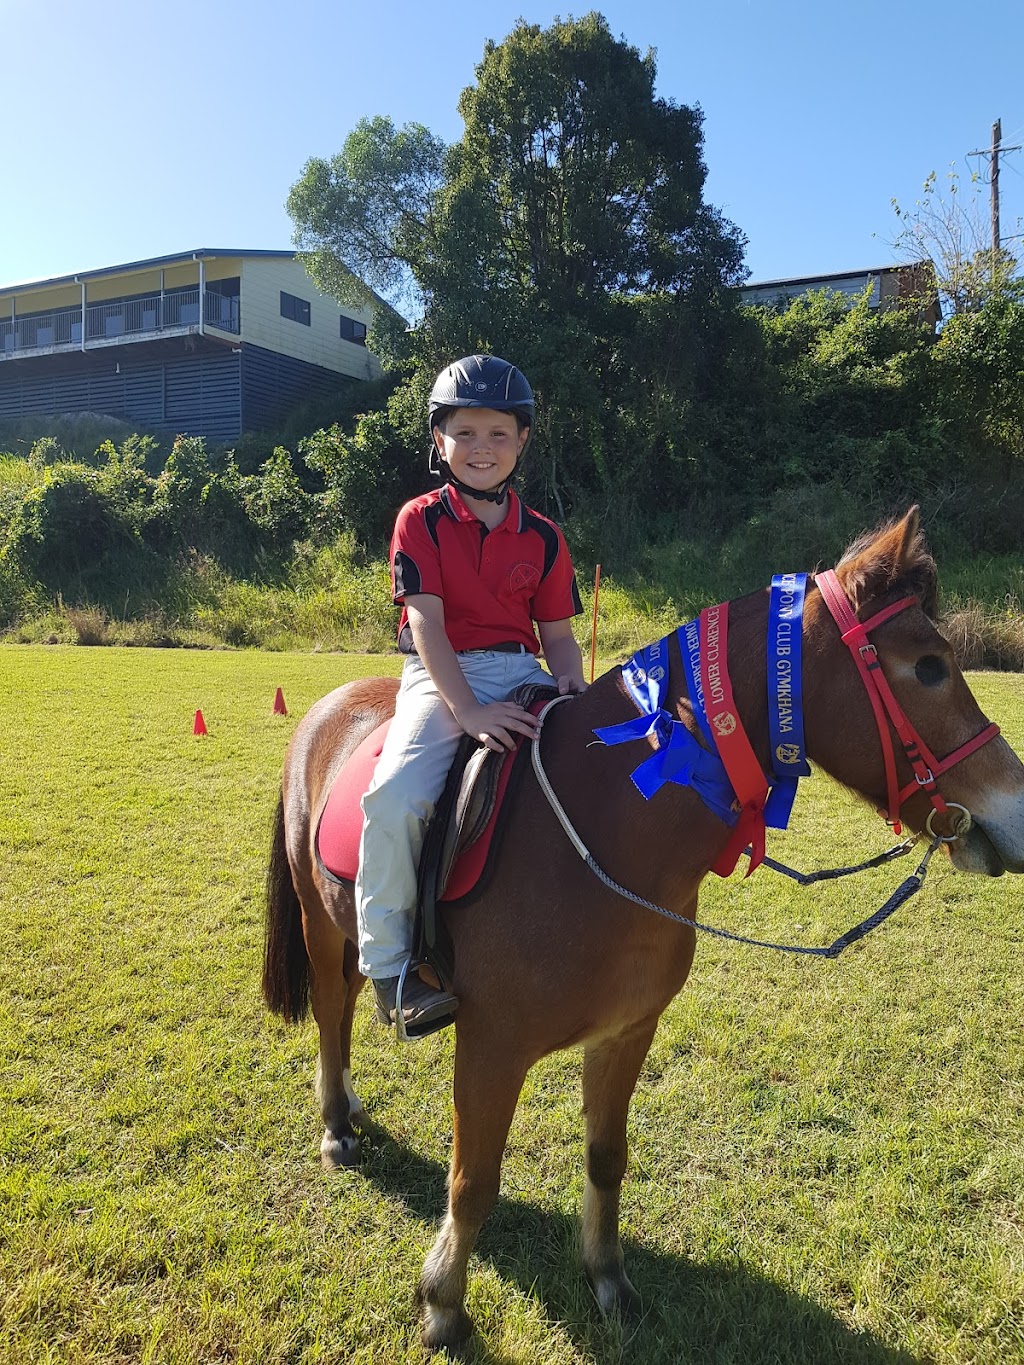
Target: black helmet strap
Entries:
(435, 464)
(491, 495)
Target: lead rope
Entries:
(899, 897)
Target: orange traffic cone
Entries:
(279, 707)
(200, 726)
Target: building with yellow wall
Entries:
(208, 343)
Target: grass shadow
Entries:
(718, 1313)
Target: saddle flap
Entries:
(465, 811)
(474, 803)
(478, 787)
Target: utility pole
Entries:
(993, 156)
(997, 137)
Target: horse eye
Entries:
(931, 670)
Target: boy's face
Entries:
(480, 446)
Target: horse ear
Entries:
(895, 556)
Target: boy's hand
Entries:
(495, 724)
(568, 683)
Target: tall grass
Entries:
(337, 597)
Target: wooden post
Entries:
(997, 137)
(593, 628)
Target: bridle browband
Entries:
(926, 767)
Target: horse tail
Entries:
(285, 960)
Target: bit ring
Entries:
(961, 824)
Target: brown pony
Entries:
(547, 956)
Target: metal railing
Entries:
(122, 317)
(45, 329)
(223, 311)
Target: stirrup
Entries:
(407, 1033)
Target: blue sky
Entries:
(137, 128)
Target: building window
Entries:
(351, 330)
(295, 309)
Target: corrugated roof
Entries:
(149, 263)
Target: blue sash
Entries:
(689, 647)
(678, 757)
(785, 694)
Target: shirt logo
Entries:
(523, 578)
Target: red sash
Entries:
(734, 748)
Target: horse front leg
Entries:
(334, 987)
(610, 1071)
(487, 1086)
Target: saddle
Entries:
(460, 841)
(466, 810)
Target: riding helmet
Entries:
(481, 381)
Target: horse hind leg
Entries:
(610, 1071)
(487, 1088)
(335, 986)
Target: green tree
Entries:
(572, 179)
(361, 216)
(979, 373)
(573, 193)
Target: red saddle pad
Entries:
(341, 825)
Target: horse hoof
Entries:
(616, 1297)
(336, 1152)
(446, 1329)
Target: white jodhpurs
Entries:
(406, 784)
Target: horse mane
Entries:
(892, 558)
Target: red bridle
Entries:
(926, 768)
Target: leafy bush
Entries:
(360, 477)
(16, 594)
(979, 382)
(17, 476)
(199, 507)
(123, 480)
(278, 504)
(66, 529)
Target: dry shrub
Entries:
(965, 631)
(90, 625)
(1006, 642)
(982, 639)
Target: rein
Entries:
(710, 682)
(899, 897)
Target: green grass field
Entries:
(826, 1162)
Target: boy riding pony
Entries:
(478, 577)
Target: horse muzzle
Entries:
(988, 849)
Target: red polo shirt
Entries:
(494, 584)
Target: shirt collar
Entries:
(457, 509)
